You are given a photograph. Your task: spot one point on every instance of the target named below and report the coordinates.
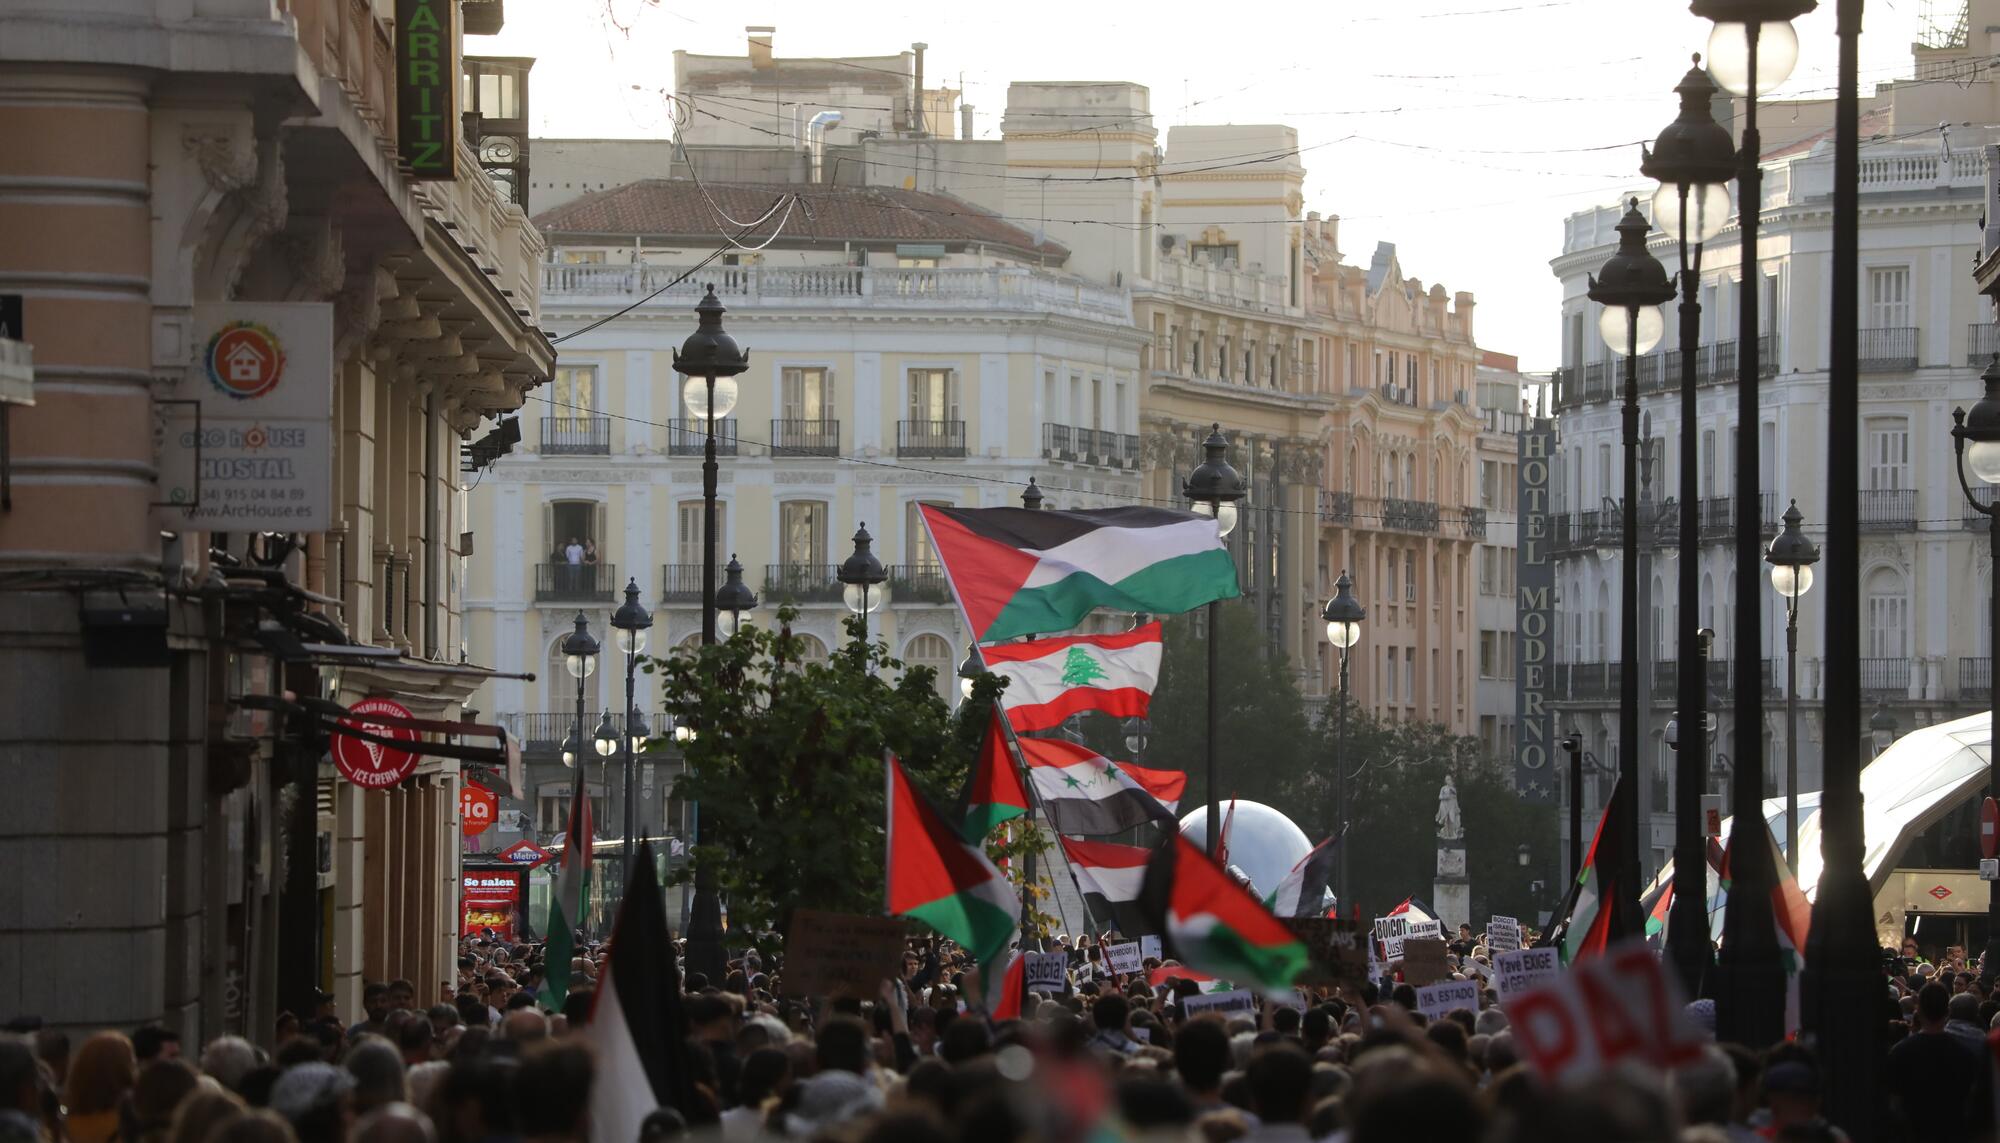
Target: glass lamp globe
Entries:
(1614, 325)
(1708, 212)
(728, 623)
(569, 749)
(1343, 633)
(683, 732)
(1982, 459)
(1728, 55)
(1225, 521)
(1791, 582)
(606, 738)
(965, 688)
(854, 595)
(580, 666)
(630, 642)
(694, 391)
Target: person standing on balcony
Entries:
(590, 565)
(572, 556)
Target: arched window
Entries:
(1410, 476)
(1389, 469)
(928, 650)
(1888, 615)
(811, 650)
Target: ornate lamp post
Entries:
(969, 670)
(733, 601)
(630, 623)
(1791, 558)
(1976, 438)
(1631, 286)
(863, 576)
(1213, 489)
(1344, 615)
(579, 651)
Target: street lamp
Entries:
(1572, 744)
(630, 624)
(969, 670)
(579, 652)
(1137, 732)
(863, 576)
(1212, 490)
(1791, 558)
(1344, 615)
(733, 601)
(1975, 437)
(607, 737)
(1631, 286)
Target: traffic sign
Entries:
(1989, 828)
(371, 765)
(477, 807)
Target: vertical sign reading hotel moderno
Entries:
(1534, 619)
(427, 87)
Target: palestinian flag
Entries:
(1110, 878)
(1017, 571)
(937, 877)
(1048, 680)
(637, 1026)
(1596, 902)
(1013, 986)
(995, 793)
(1303, 891)
(1791, 916)
(1083, 792)
(1212, 924)
(566, 903)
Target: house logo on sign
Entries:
(245, 360)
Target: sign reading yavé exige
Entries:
(427, 87)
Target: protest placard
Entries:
(1227, 1003)
(1046, 972)
(1336, 945)
(1389, 933)
(1149, 946)
(1503, 933)
(1423, 960)
(1434, 1000)
(1427, 929)
(1603, 1012)
(831, 954)
(1122, 958)
(1523, 969)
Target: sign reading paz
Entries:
(828, 954)
(1604, 1012)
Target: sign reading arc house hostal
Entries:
(259, 456)
(1534, 619)
(427, 87)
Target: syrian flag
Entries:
(1083, 792)
(637, 1026)
(1593, 923)
(1212, 924)
(1017, 571)
(1303, 890)
(937, 877)
(1111, 878)
(995, 793)
(1049, 680)
(566, 903)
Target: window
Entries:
(1390, 654)
(1215, 253)
(552, 807)
(1888, 452)
(811, 650)
(932, 651)
(1489, 654)
(1888, 615)
(1708, 473)
(920, 551)
(1489, 563)
(802, 533)
(934, 395)
(688, 544)
(576, 391)
(1097, 402)
(1389, 581)
(1410, 578)
(1223, 359)
(1889, 297)
(1410, 675)
(807, 394)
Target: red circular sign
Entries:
(372, 765)
(477, 807)
(1989, 826)
(245, 360)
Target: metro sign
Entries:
(1940, 892)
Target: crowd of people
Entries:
(1111, 1056)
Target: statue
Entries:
(1447, 816)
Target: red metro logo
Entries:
(245, 360)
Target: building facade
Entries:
(181, 848)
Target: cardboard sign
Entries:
(831, 954)
(1524, 969)
(1429, 930)
(1389, 933)
(1227, 1003)
(1337, 946)
(1149, 946)
(1423, 960)
(1606, 1011)
(1434, 1000)
(1122, 958)
(1503, 933)
(1047, 972)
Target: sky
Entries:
(1463, 131)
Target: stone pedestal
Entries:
(1451, 895)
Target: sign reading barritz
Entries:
(427, 87)
(1534, 618)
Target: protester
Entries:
(100, 1076)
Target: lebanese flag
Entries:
(1048, 680)
(637, 1026)
(935, 876)
(1083, 792)
(567, 902)
(1111, 878)
(1018, 571)
(995, 793)
(1214, 925)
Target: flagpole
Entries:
(1034, 804)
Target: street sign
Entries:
(477, 807)
(524, 852)
(371, 765)
(1989, 820)
(1989, 869)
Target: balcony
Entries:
(930, 440)
(1660, 372)
(801, 583)
(1336, 507)
(1891, 349)
(1475, 523)
(1058, 442)
(1975, 678)
(1972, 518)
(542, 732)
(918, 583)
(1885, 678)
(1088, 449)
(793, 437)
(576, 583)
(1100, 448)
(576, 436)
(1588, 680)
(688, 436)
(1888, 509)
(1128, 450)
(1410, 515)
(681, 583)
(818, 289)
(1982, 341)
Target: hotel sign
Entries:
(427, 87)
(1534, 619)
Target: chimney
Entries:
(965, 120)
(760, 45)
(917, 104)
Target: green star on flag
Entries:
(1070, 781)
